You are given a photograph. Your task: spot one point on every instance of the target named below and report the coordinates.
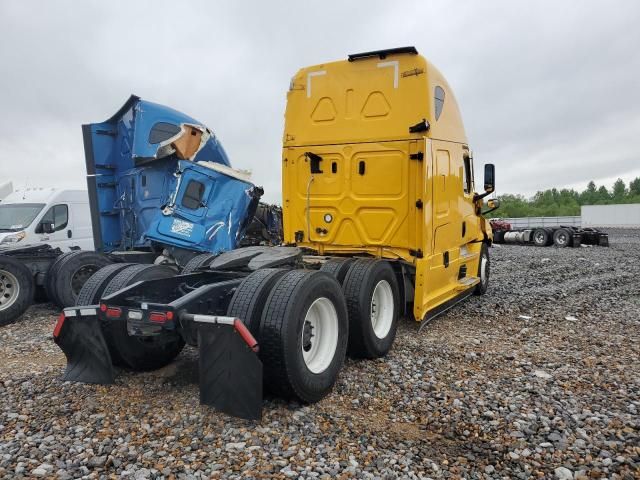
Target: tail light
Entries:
(113, 312)
(158, 317)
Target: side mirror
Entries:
(489, 177)
(48, 227)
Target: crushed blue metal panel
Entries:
(140, 163)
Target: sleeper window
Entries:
(438, 101)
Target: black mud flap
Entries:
(230, 370)
(79, 336)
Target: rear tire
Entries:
(140, 353)
(562, 238)
(338, 267)
(373, 302)
(484, 271)
(73, 272)
(49, 283)
(92, 290)
(303, 335)
(250, 297)
(196, 262)
(16, 289)
(540, 237)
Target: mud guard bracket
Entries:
(230, 370)
(79, 336)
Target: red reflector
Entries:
(103, 307)
(169, 316)
(158, 317)
(59, 323)
(246, 334)
(113, 312)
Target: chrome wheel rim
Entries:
(320, 335)
(382, 309)
(561, 239)
(9, 289)
(483, 270)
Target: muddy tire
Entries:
(140, 353)
(73, 272)
(373, 302)
(303, 335)
(196, 262)
(17, 288)
(91, 291)
(484, 271)
(250, 297)
(338, 267)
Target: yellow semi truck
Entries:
(381, 219)
(376, 162)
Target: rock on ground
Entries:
(539, 378)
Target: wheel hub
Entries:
(9, 289)
(80, 277)
(382, 306)
(307, 335)
(319, 340)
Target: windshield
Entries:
(17, 216)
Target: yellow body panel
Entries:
(351, 186)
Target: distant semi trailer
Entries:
(560, 236)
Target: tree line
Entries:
(554, 202)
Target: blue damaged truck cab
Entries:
(159, 179)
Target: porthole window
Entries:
(162, 131)
(439, 100)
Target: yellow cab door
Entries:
(445, 185)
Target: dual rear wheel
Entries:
(305, 321)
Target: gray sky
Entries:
(549, 91)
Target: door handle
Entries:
(445, 258)
(69, 234)
(464, 229)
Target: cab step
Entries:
(467, 282)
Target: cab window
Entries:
(467, 180)
(192, 198)
(58, 215)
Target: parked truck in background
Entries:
(381, 219)
(560, 236)
(161, 194)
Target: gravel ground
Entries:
(539, 378)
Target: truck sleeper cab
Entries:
(376, 163)
(380, 219)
